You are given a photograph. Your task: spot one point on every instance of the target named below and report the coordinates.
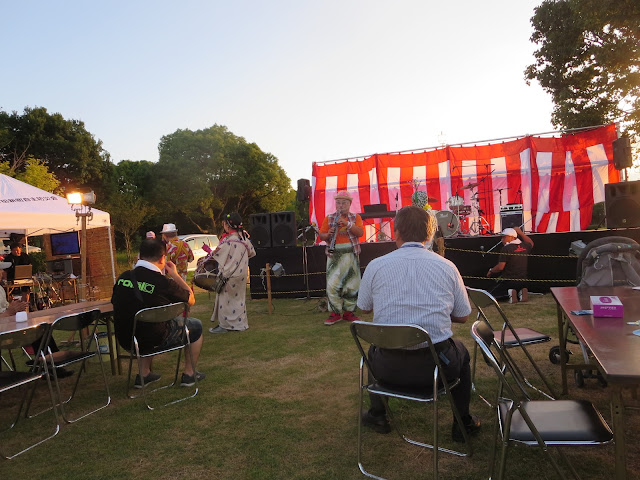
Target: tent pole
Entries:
(113, 266)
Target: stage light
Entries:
(81, 198)
(277, 270)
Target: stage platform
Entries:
(551, 263)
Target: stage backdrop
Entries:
(556, 179)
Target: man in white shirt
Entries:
(415, 286)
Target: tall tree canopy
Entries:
(201, 175)
(588, 59)
(65, 147)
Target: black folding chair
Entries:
(509, 338)
(160, 314)
(396, 336)
(77, 322)
(10, 380)
(543, 423)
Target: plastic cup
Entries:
(21, 317)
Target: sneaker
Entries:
(523, 295)
(190, 380)
(379, 424)
(471, 425)
(218, 329)
(513, 295)
(349, 317)
(333, 318)
(152, 377)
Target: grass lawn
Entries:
(280, 402)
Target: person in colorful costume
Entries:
(178, 251)
(341, 231)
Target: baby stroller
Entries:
(607, 261)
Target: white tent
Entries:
(31, 211)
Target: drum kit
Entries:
(452, 221)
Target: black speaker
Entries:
(283, 229)
(511, 219)
(260, 229)
(622, 204)
(622, 153)
(304, 190)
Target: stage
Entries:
(551, 263)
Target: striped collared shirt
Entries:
(416, 286)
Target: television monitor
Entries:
(65, 243)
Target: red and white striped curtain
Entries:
(556, 179)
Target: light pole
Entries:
(81, 203)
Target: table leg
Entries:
(617, 417)
(112, 359)
(563, 350)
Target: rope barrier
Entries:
(500, 253)
(520, 279)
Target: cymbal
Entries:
(470, 185)
(500, 189)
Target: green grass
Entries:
(280, 402)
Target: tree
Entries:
(203, 174)
(588, 59)
(126, 202)
(34, 173)
(65, 147)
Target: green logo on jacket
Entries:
(142, 286)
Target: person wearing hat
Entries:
(342, 231)
(232, 254)
(178, 251)
(512, 266)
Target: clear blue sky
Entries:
(305, 80)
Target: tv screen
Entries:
(65, 243)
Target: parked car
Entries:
(195, 242)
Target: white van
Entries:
(195, 242)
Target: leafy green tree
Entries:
(126, 200)
(205, 173)
(588, 59)
(34, 173)
(65, 147)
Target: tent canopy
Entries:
(31, 211)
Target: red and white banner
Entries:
(556, 179)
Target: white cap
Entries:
(510, 232)
(168, 228)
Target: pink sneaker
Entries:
(349, 317)
(333, 318)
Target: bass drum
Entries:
(448, 223)
(206, 274)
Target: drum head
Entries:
(455, 201)
(447, 222)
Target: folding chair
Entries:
(396, 336)
(77, 322)
(163, 313)
(510, 337)
(14, 379)
(544, 423)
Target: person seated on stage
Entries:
(159, 290)
(512, 264)
(15, 258)
(413, 285)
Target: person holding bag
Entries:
(232, 254)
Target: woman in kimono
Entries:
(232, 254)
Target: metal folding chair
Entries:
(77, 322)
(396, 336)
(509, 338)
(545, 423)
(10, 380)
(163, 313)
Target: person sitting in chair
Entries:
(158, 290)
(413, 285)
(512, 265)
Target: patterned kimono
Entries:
(232, 255)
(178, 252)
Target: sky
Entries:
(307, 81)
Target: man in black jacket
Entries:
(155, 290)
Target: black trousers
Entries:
(501, 289)
(414, 368)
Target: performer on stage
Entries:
(342, 230)
(513, 263)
